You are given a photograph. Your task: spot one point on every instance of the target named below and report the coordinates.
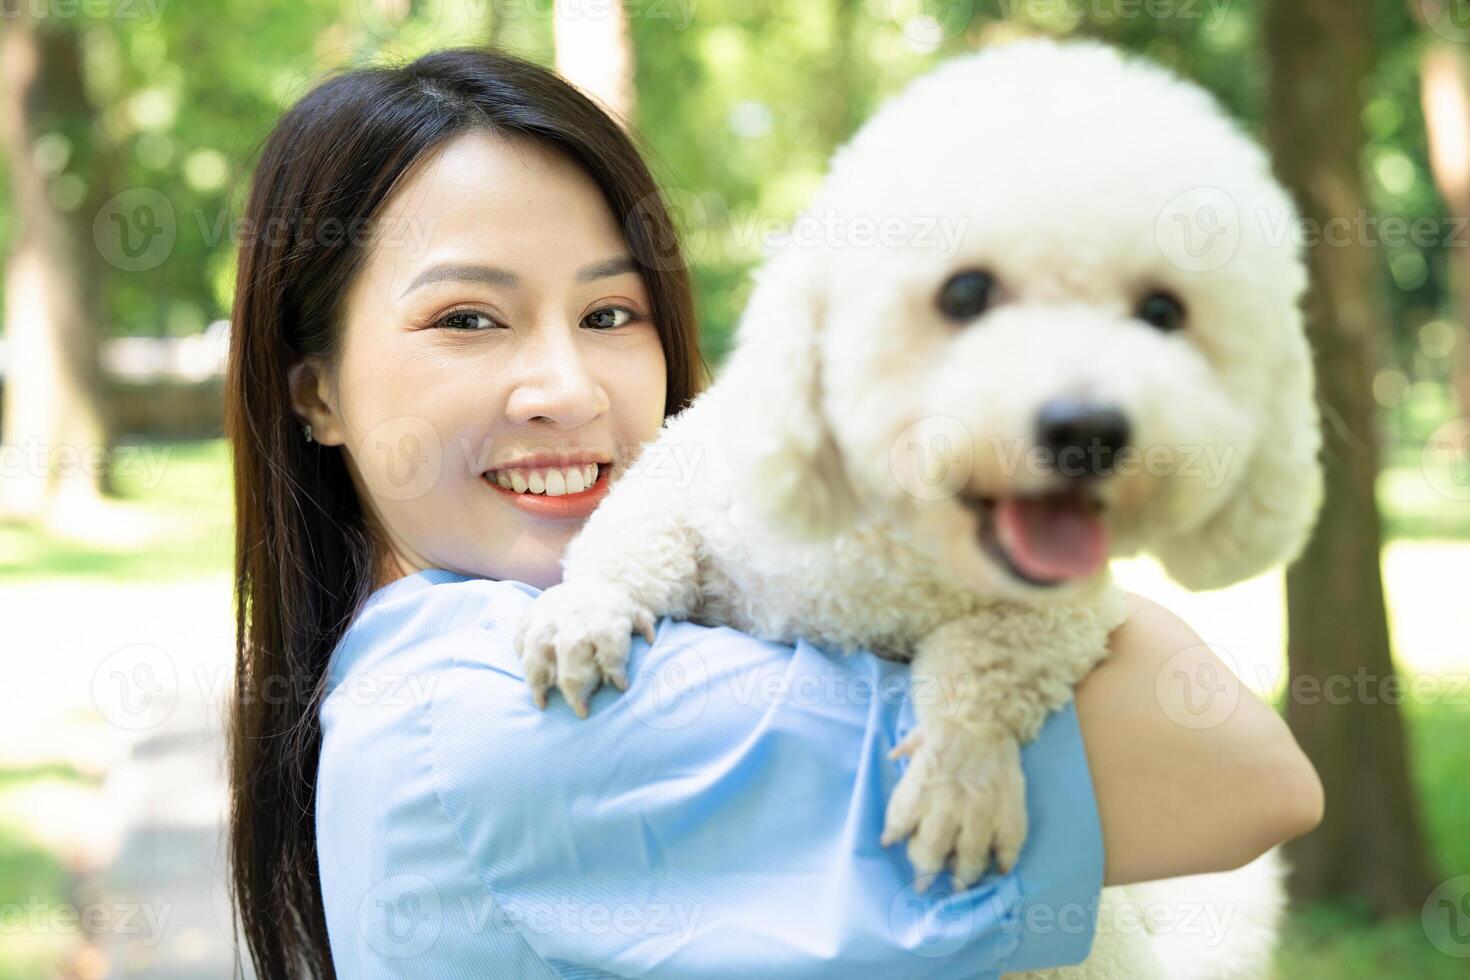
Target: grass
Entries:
(1341, 941)
(170, 522)
(32, 878)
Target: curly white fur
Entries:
(803, 519)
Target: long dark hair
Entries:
(304, 558)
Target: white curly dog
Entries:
(931, 450)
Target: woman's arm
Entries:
(1193, 773)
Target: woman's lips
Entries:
(567, 506)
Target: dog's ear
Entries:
(1274, 509)
(784, 455)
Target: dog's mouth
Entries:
(1043, 539)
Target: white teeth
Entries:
(552, 481)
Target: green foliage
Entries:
(741, 102)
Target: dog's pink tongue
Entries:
(1053, 538)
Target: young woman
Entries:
(461, 268)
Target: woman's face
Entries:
(497, 349)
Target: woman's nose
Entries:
(554, 383)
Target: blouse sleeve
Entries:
(721, 817)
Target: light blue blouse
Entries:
(719, 819)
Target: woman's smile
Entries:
(566, 488)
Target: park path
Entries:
(126, 682)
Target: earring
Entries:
(306, 432)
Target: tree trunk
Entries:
(54, 435)
(1370, 844)
(1445, 97)
(594, 51)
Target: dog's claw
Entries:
(907, 745)
(575, 638)
(958, 803)
(646, 626)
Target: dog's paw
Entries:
(576, 637)
(959, 801)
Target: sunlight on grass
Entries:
(34, 880)
(170, 520)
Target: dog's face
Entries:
(1075, 334)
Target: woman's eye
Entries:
(965, 295)
(608, 317)
(1162, 310)
(466, 320)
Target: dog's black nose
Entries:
(1082, 438)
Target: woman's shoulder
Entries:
(426, 621)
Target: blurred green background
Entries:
(130, 130)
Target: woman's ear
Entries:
(312, 399)
(1273, 512)
(786, 455)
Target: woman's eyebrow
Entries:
(446, 272)
(607, 267)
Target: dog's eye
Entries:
(1162, 310)
(965, 295)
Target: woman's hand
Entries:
(1193, 773)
